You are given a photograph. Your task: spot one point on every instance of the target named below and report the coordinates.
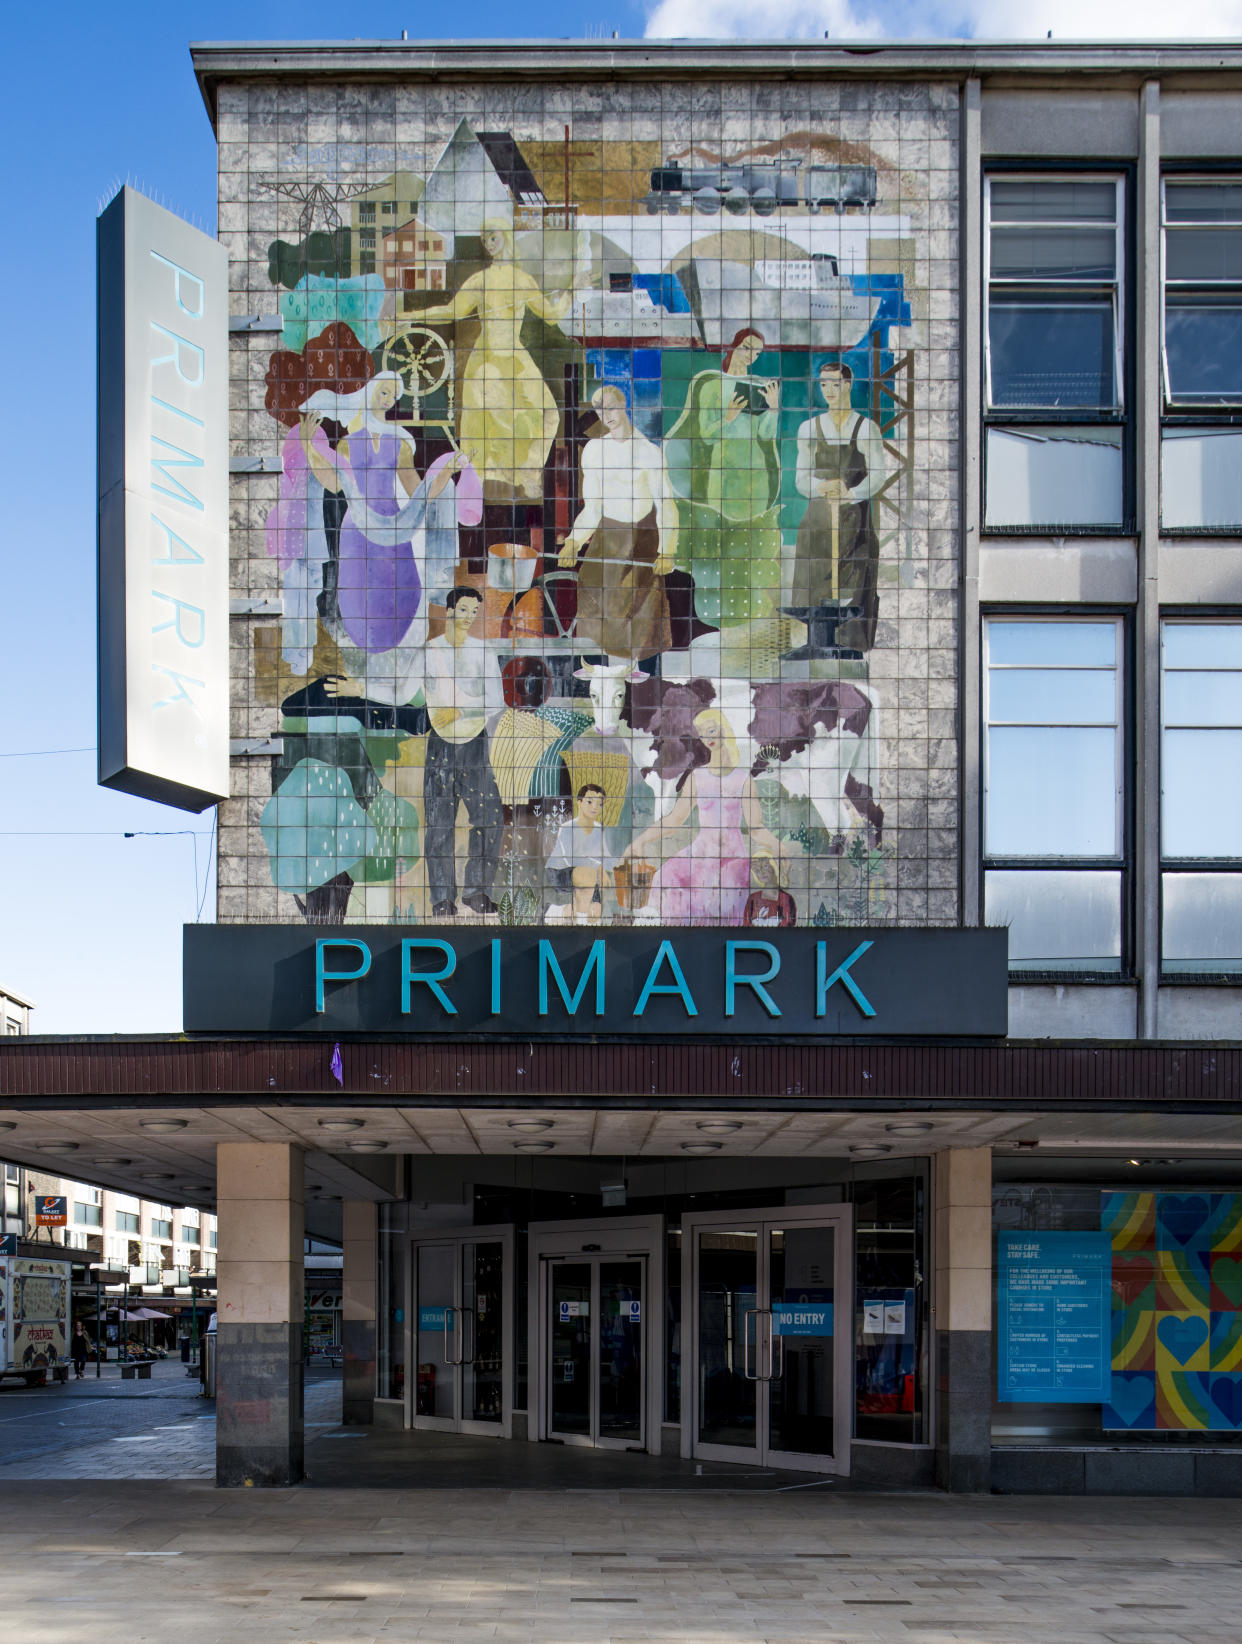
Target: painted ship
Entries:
(629, 314)
(796, 302)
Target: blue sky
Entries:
(90, 921)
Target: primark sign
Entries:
(642, 982)
(163, 506)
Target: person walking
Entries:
(79, 1349)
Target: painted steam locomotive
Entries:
(761, 186)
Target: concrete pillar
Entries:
(359, 1299)
(260, 1280)
(964, 1319)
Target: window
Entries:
(160, 1228)
(1053, 449)
(366, 237)
(366, 211)
(189, 1235)
(1201, 797)
(1201, 461)
(1053, 823)
(211, 1239)
(90, 1215)
(126, 1221)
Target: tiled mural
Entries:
(608, 574)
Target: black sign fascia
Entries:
(649, 982)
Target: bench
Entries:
(142, 1371)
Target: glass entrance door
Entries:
(596, 1359)
(462, 1329)
(771, 1368)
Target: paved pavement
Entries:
(89, 1556)
(132, 1562)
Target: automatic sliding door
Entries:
(569, 1395)
(620, 1369)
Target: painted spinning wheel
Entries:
(422, 359)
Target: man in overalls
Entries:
(842, 463)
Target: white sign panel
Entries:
(163, 506)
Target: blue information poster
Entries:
(1053, 1328)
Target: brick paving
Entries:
(91, 1556)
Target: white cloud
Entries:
(968, 19)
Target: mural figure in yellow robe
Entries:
(508, 415)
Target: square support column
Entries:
(359, 1295)
(261, 1290)
(964, 1319)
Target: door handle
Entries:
(450, 1321)
(469, 1336)
(766, 1375)
(746, 1369)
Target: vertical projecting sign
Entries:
(163, 506)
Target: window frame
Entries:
(1184, 415)
(1172, 866)
(1122, 861)
(1118, 416)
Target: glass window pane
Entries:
(1200, 479)
(1052, 644)
(1202, 644)
(1203, 254)
(1202, 202)
(1052, 696)
(1052, 791)
(1057, 919)
(1054, 253)
(1196, 697)
(1202, 922)
(1060, 199)
(1062, 477)
(1201, 793)
(1203, 346)
(1054, 355)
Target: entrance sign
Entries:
(640, 981)
(1054, 1341)
(163, 506)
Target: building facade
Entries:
(729, 889)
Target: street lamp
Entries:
(103, 1275)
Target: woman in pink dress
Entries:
(708, 883)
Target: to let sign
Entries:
(51, 1210)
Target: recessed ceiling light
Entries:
(56, 1147)
(720, 1126)
(700, 1147)
(910, 1127)
(366, 1147)
(341, 1124)
(163, 1126)
(534, 1147)
(155, 1176)
(530, 1124)
(869, 1150)
(112, 1159)
(8, 1124)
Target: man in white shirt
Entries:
(842, 464)
(462, 688)
(628, 525)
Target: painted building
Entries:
(728, 889)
